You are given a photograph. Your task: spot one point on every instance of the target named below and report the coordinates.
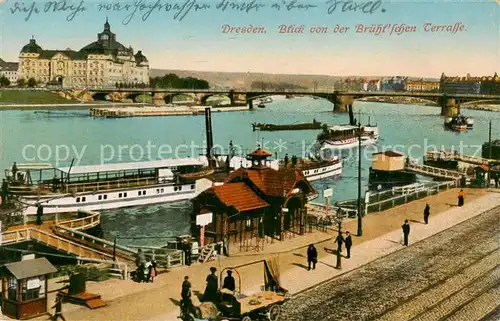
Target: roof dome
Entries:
(139, 57)
(32, 47)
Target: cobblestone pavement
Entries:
(453, 275)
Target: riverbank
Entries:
(150, 111)
(58, 106)
(423, 102)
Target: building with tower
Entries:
(104, 62)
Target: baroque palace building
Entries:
(104, 62)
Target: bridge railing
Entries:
(399, 199)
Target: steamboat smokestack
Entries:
(208, 129)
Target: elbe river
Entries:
(59, 136)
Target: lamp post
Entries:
(360, 217)
(339, 236)
(489, 156)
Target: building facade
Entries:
(460, 85)
(486, 85)
(357, 84)
(397, 83)
(104, 62)
(9, 71)
(422, 85)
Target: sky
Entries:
(197, 41)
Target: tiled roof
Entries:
(261, 152)
(239, 196)
(271, 182)
(73, 55)
(389, 153)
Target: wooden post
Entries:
(202, 235)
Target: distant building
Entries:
(9, 71)
(460, 85)
(397, 83)
(486, 85)
(373, 85)
(422, 85)
(490, 85)
(104, 62)
(357, 84)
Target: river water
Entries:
(58, 137)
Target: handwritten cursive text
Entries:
(180, 10)
(351, 5)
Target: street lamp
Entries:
(360, 217)
(338, 217)
(489, 157)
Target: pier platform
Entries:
(131, 111)
(381, 233)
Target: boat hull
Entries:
(348, 143)
(323, 172)
(110, 199)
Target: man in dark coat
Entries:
(58, 307)
(406, 232)
(461, 196)
(340, 240)
(427, 212)
(39, 213)
(348, 243)
(187, 304)
(210, 294)
(229, 282)
(186, 247)
(312, 257)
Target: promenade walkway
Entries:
(382, 232)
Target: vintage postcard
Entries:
(249, 160)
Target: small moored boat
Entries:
(273, 127)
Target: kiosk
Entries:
(24, 288)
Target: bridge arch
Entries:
(205, 98)
(101, 96)
(171, 98)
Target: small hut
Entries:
(24, 288)
(254, 202)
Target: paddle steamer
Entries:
(103, 187)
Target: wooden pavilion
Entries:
(255, 202)
(24, 288)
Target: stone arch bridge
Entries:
(342, 101)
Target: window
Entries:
(119, 194)
(105, 197)
(157, 191)
(99, 197)
(139, 193)
(175, 188)
(84, 199)
(33, 288)
(12, 289)
(162, 190)
(180, 188)
(192, 186)
(78, 200)
(143, 192)
(124, 194)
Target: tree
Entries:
(4, 81)
(21, 82)
(174, 81)
(31, 82)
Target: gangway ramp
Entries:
(433, 171)
(448, 155)
(54, 241)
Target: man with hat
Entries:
(210, 294)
